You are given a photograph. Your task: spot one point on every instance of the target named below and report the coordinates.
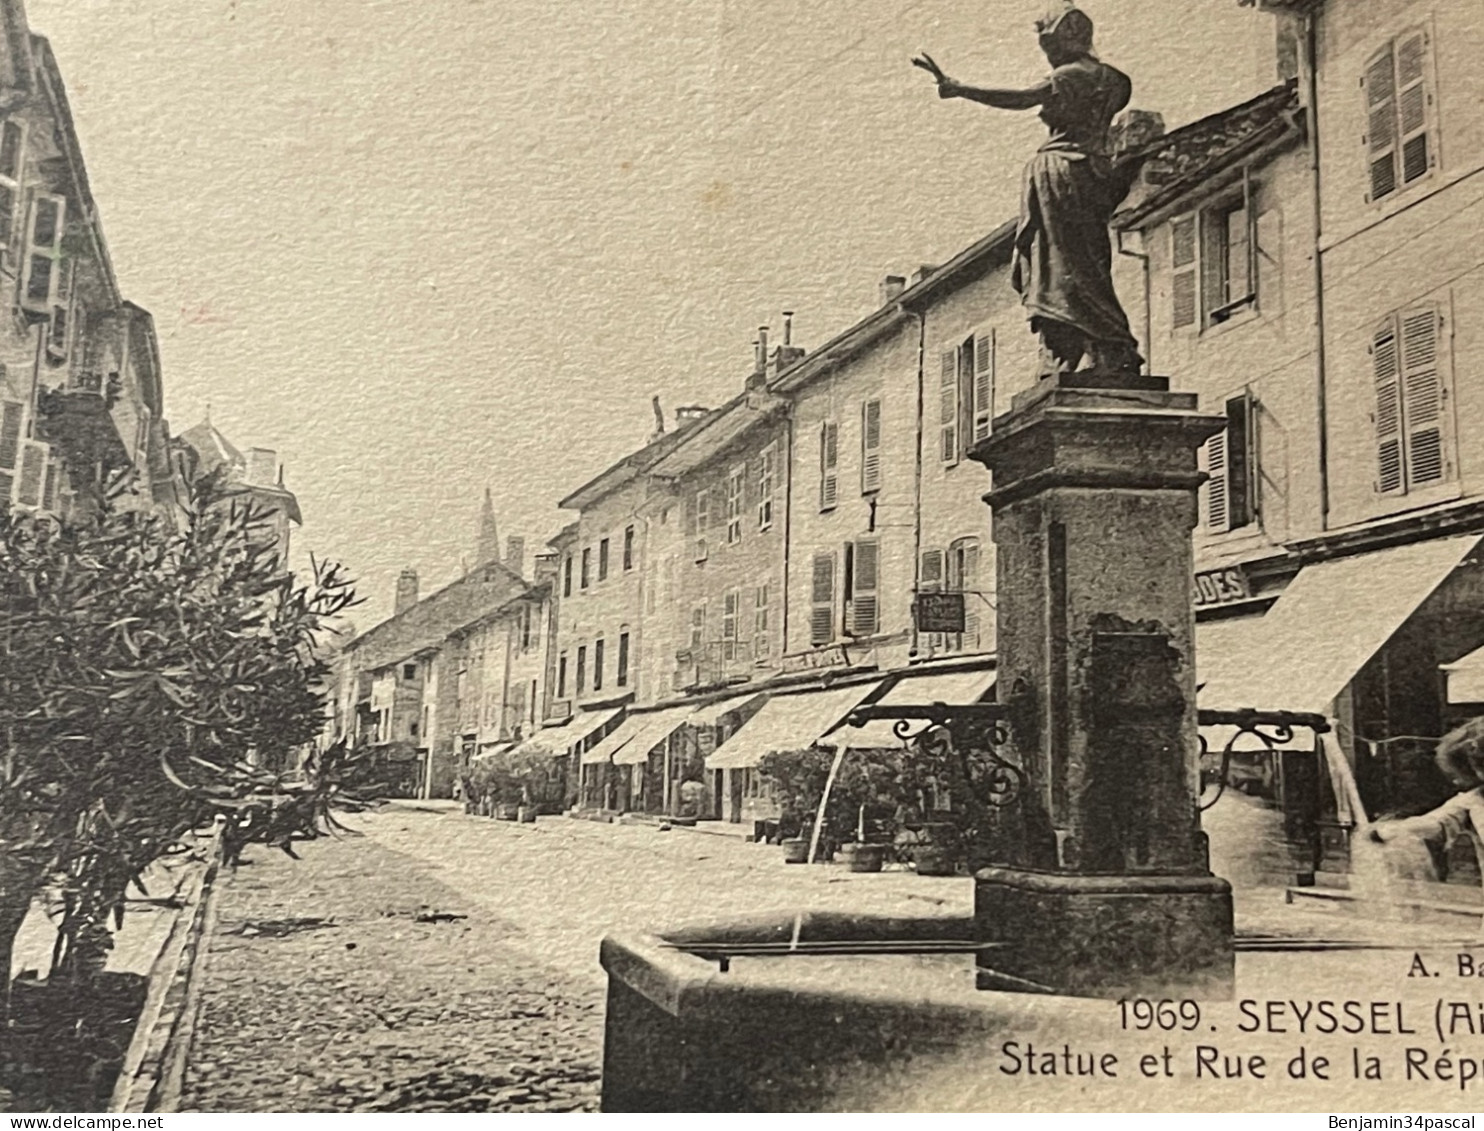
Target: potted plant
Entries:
(860, 855)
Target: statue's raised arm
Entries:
(1063, 255)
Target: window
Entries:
(829, 465)
(59, 333)
(1397, 106)
(587, 566)
(409, 672)
(698, 627)
(12, 158)
(822, 600)
(1411, 391)
(961, 569)
(862, 584)
(761, 643)
(930, 575)
(581, 669)
(730, 609)
(10, 446)
(736, 479)
(562, 676)
(871, 446)
(531, 709)
(515, 710)
(525, 628)
(44, 252)
(1231, 270)
(603, 560)
(35, 457)
(965, 395)
(701, 522)
(621, 677)
(1229, 496)
(628, 548)
(767, 472)
(598, 648)
(567, 576)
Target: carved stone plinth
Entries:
(1105, 887)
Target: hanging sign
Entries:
(940, 612)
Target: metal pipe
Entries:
(1143, 257)
(1310, 65)
(917, 476)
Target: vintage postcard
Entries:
(679, 555)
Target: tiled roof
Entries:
(1183, 158)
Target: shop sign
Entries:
(831, 656)
(1224, 586)
(940, 612)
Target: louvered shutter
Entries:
(948, 407)
(1215, 492)
(33, 474)
(870, 446)
(1411, 101)
(760, 634)
(766, 469)
(1183, 280)
(822, 600)
(49, 485)
(984, 358)
(973, 603)
(1422, 396)
(865, 601)
(1386, 369)
(1380, 96)
(703, 523)
(10, 446)
(730, 608)
(829, 460)
(44, 252)
(930, 580)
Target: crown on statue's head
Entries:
(1066, 21)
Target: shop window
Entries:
(1398, 146)
(1229, 458)
(1409, 366)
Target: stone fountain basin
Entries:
(726, 1017)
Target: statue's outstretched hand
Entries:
(945, 84)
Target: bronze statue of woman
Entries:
(1063, 255)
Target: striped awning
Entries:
(788, 722)
(955, 688)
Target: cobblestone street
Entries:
(441, 962)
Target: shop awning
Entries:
(490, 750)
(788, 722)
(955, 688)
(1333, 617)
(710, 715)
(1466, 678)
(560, 740)
(655, 727)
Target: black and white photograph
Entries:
(687, 556)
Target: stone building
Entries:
(253, 480)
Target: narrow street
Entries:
(440, 962)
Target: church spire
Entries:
(488, 549)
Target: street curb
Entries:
(153, 1071)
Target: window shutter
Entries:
(48, 222)
(765, 476)
(33, 473)
(1216, 489)
(871, 446)
(984, 351)
(1380, 95)
(730, 608)
(12, 158)
(865, 604)
(49, 485)
(10, 446)
(969, 585)
(1422, 396)
(822, 600)
(760, 642)
(1411, 100)
(703, 522)
(1183, 280)
(1388, 418)
(829, 460)
(948, 407)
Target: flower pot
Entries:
(796, 851)
(934, 860)
(504, 811)
(526, 814)
(863, 857)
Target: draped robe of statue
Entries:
(1063, 254)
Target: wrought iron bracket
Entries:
(957, 731)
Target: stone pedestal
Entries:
(1101, 884)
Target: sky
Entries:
(427, 247)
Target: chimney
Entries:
(1289, 29)
(687, 415)
(892, 287)
(262, 467)
(1133, 130)
(515, 555)
(545, 568)
(760, 350)
(659, 419)
(406, 591)
(922, 273)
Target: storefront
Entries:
(1366, 640)
(569, 741)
